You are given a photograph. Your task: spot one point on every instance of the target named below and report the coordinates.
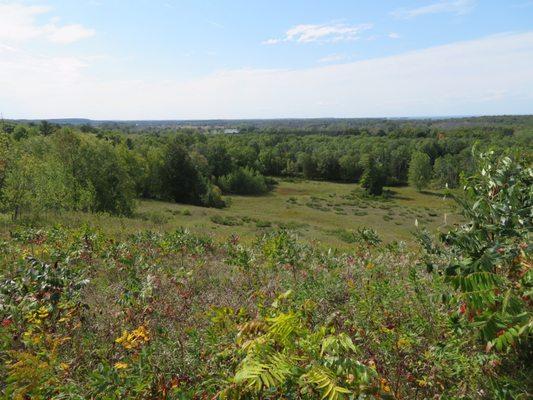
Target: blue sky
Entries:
(265, 59)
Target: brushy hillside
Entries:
(85, 315)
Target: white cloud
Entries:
(18, 24)
(69, 33)
(333, 58)
(393, 35)
(307, 33)
(458, 7)
(492, 75)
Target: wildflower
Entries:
(121, 365)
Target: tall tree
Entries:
(180, 179)
(33, 185)
(373, 178)
(446, 171)
(419, 170)
(46, 128)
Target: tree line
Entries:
(51, 167)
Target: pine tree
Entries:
(373, 178)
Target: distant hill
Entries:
(301, 124)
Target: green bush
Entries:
(488, 261)
(226, 220)
(491, 253)
(263, 224)
(245, 181)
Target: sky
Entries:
(200, 59)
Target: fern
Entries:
(269, 372)
(282, 350)
(326, 382)
(283, 326)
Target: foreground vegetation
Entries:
(174, 315)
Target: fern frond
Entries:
(270, 371)
(507, 337)
(283, 326)
(254, 374)
(476, 281)
(326, 382)
(478, 288)
(251, 329)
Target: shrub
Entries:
(263, 224)
(244, 181)
(212, 197)
(155, 217)
(488, 262)
(491, 265)
(368, 236)
(228, 221)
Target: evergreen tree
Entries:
(373, 178)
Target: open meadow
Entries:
(323, 213)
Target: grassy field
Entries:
(321, 212)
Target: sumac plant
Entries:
(282, 355)
(490, 264)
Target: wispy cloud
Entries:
(458, 7)
(332, 58)
(69, 33)
(324, 33)
(18, 24)
(472, 77)
(393, 35)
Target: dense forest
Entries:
(104, 167)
